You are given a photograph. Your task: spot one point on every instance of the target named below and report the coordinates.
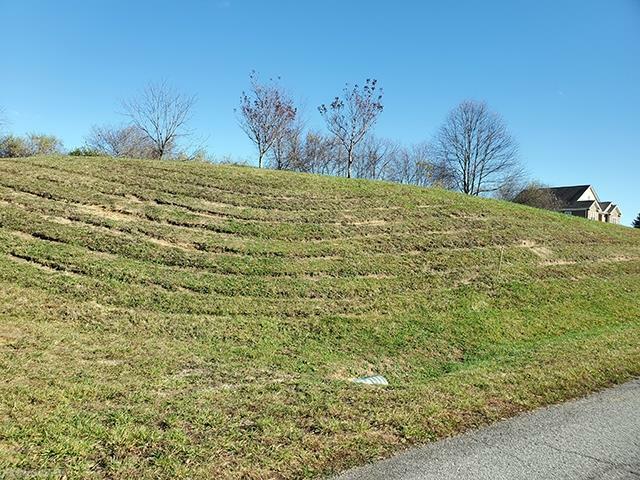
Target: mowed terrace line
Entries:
(165, 319)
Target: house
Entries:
(583, 201)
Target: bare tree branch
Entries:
(373, 158)
(414, 165)
(536, 194)
(266, 114)
(321, 154)
(350, 116)
(288, 148)
(162, 114)
(126, 141)
(476, 149)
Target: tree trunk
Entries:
(349, 163)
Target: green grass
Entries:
(166, 320)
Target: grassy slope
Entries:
(165, 319)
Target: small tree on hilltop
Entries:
(162, 114)
(350, 116)
(636, 222)
(266, 114)
(40, 144)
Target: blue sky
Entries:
(565, 74)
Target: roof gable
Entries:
(605, 206)
(570, 194)
(589, 195)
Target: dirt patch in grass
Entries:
(169, 244)
(107, 213)
(541, 251)
(60, 220)
(548, 263)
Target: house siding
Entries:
(583, 201)
(614, 217)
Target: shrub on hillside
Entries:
(84, 152)
(539, 196)
(197, 155)
(123, 141)
(40, 144)
(12, 146)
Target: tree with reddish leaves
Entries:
(350, 116)
(266, 114)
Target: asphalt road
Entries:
(597, 437)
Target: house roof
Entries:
(568, 196)
(613, 207)
(605, 206)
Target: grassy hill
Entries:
(162, 320)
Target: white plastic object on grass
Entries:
(373, 380)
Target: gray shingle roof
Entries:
(605, 205)
(568, 196)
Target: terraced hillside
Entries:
(163, 320)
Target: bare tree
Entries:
(162, 114)
(406, 165)
(476, 150)
(511, 187)
(266, 113)
(535, 194)
(350, 116)
(413, 165)
(321, 154)
(41, 144)
(373, 158)
(287, 150)
(125, 141)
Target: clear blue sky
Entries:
(564, 74)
